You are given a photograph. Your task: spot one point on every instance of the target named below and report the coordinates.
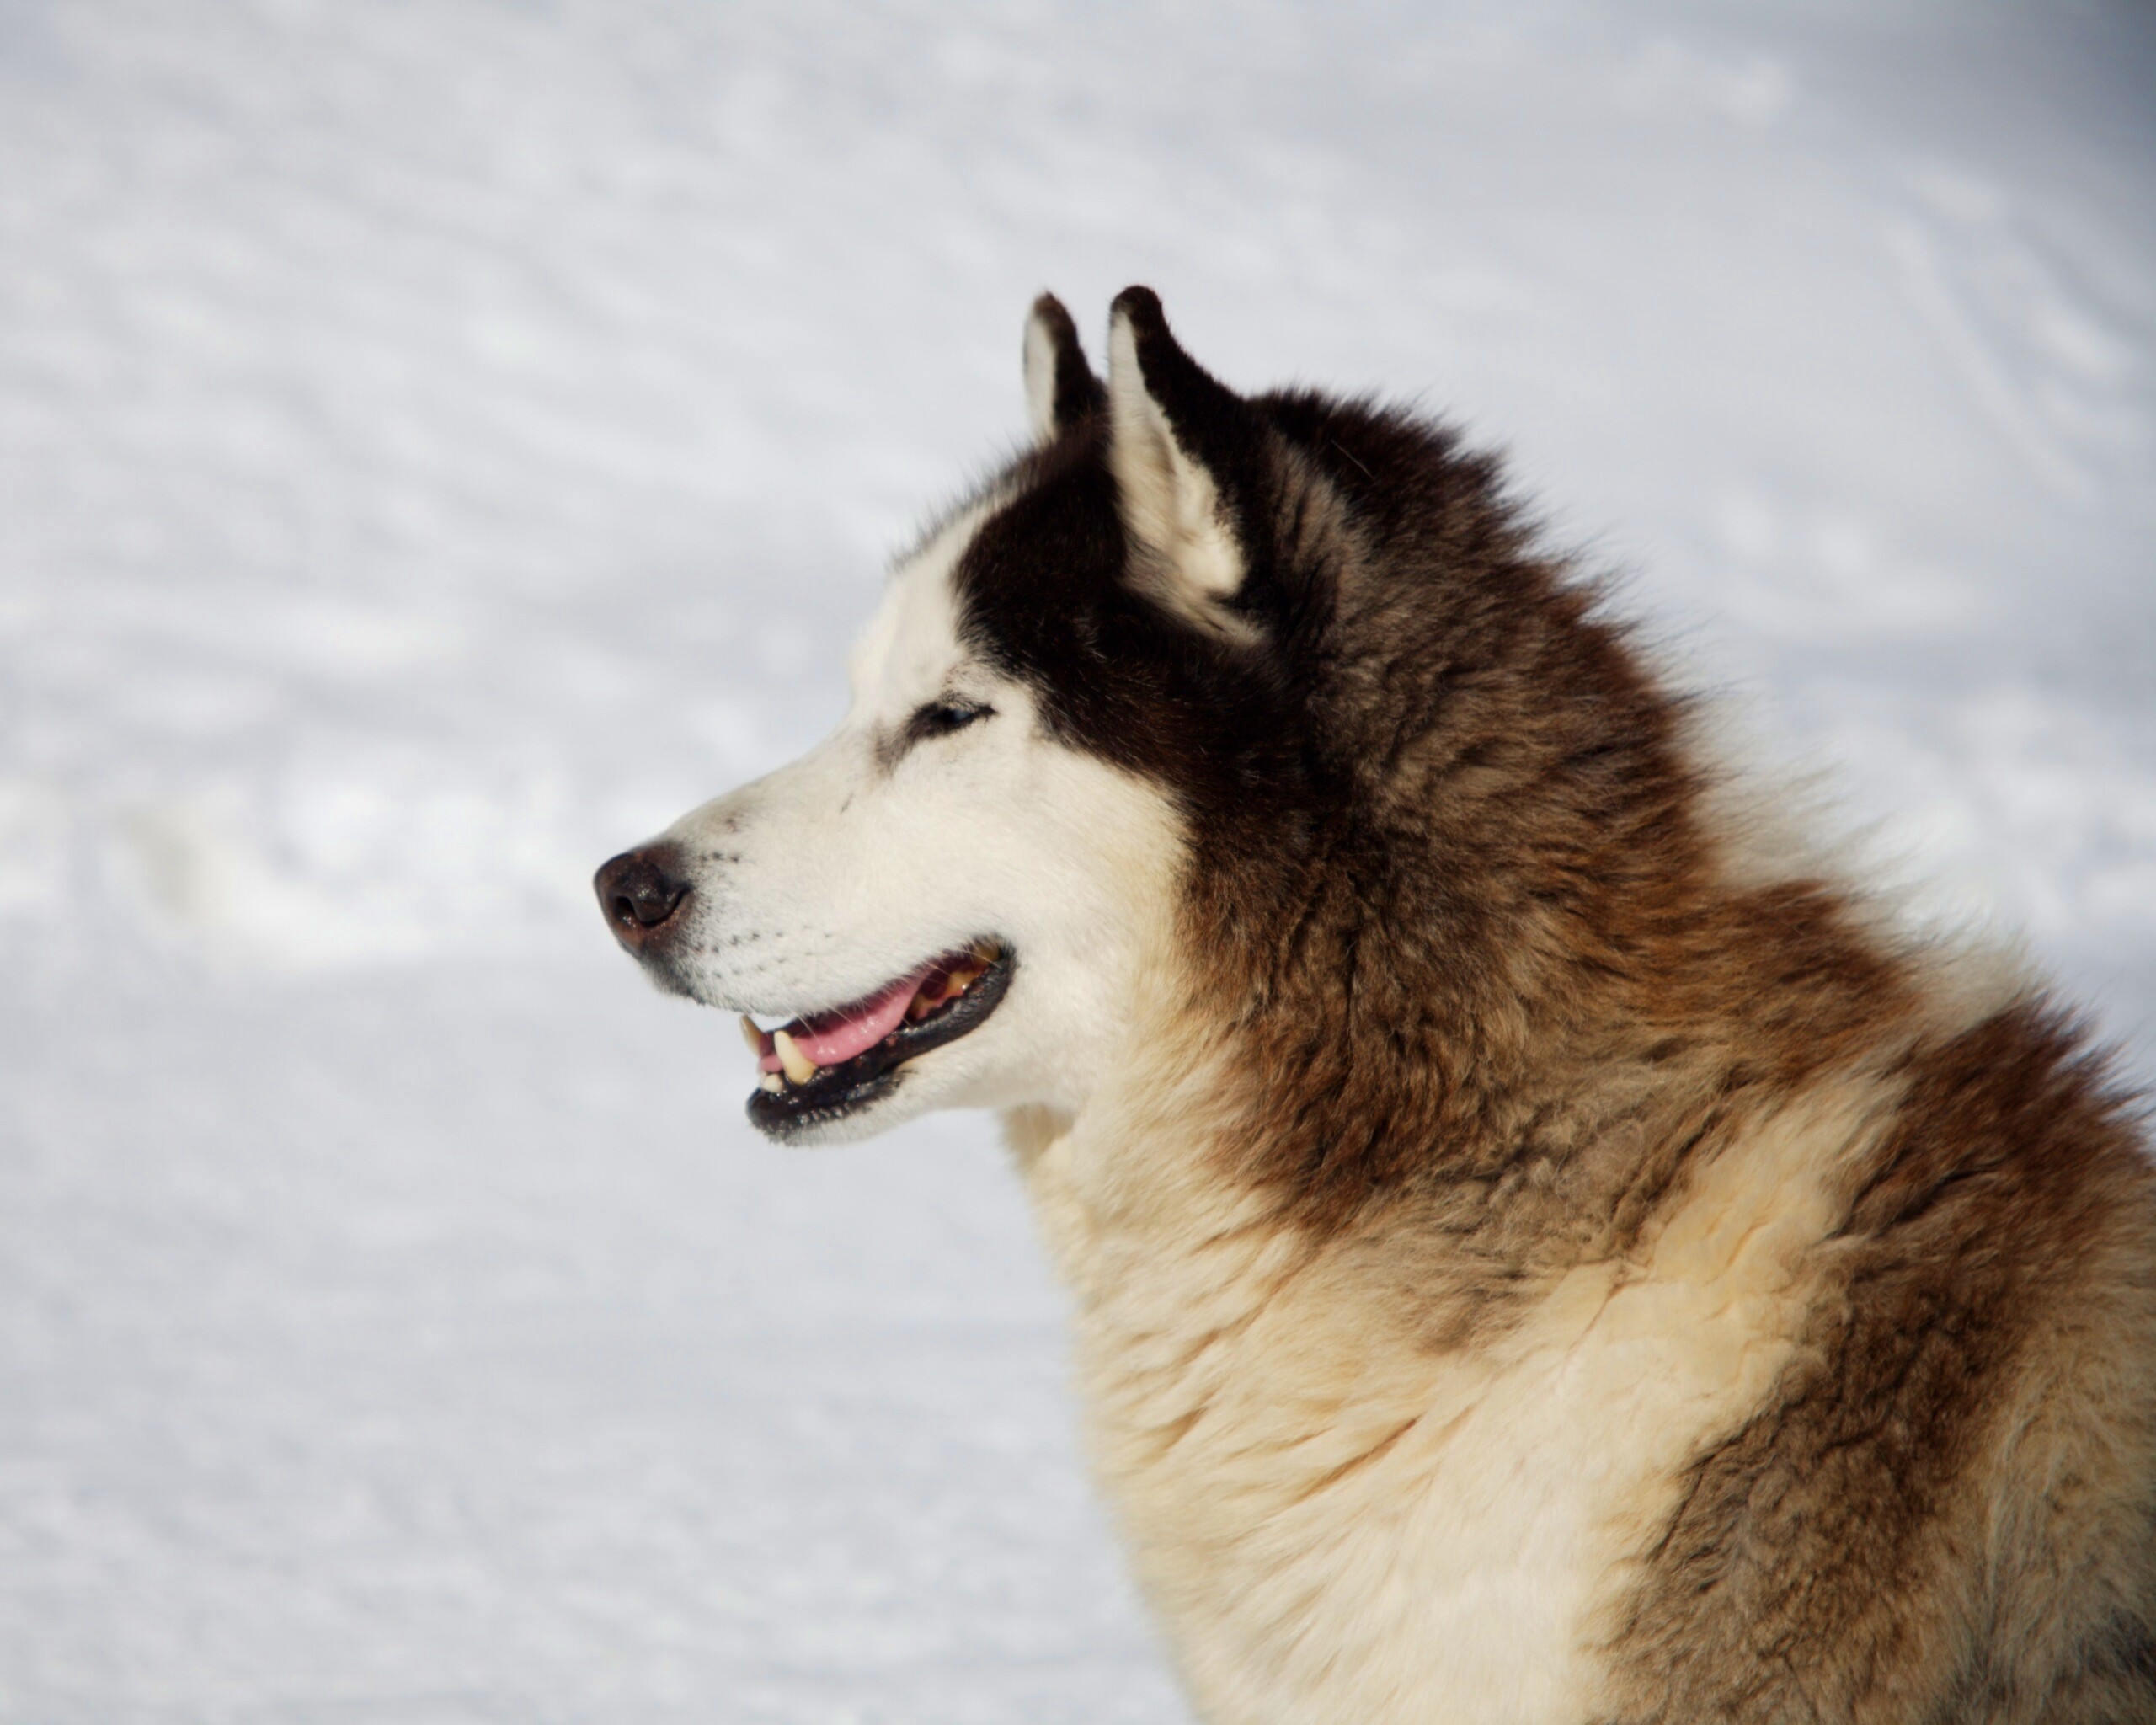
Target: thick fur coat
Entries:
(1538, 1250)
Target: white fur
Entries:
(1338, 1522)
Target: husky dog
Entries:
(1538, 1252)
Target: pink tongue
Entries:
(832, 1038)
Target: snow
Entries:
(439, 442)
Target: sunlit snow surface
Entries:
(439, 442)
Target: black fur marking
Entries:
(1243, 737)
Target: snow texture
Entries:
(441, 440)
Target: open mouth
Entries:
(830, 1064)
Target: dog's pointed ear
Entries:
(1060, 387)
(1181, 445)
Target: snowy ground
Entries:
(441, 441)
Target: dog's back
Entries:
(1946, 1507)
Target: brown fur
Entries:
(1556, 1004)
(1495, 995)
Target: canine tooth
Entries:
(752, 1036)
(800, 1068)
(772, 1082)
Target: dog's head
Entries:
(1147, 666)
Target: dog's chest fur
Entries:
(1339, 1519)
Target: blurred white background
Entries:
(439, 442)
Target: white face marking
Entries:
(821, 883)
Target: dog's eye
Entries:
(939, 718)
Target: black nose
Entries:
(638, 895)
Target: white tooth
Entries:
(751, 1035)
(772, 1082)
(799, 1066)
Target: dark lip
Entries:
(836, 1091)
